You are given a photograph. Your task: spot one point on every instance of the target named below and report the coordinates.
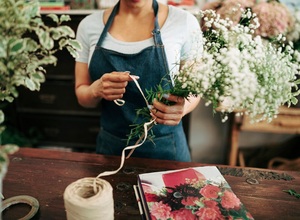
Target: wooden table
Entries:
(44, 174)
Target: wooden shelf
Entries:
(287, 121)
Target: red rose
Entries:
(150, 197)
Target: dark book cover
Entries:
(188, 194)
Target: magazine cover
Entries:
(188, 194)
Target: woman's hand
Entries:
(111, 86)
(168, 114)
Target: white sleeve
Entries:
(193, 46)
(82, 37)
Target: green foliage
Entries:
(22, 58)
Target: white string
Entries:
(121, 102)
(82, 203)
(92, 198)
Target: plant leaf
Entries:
(30, 84)
(64, 18)
(16, 46)
(54, 17)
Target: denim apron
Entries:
(151, 66)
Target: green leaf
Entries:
(75, 44)
(16, 46)
(1, 116)
(292, 193)
(294, 100)
(30, 84)
(48, 60)
(64, 18)
(54, 17)
(66, 31)
(62, 43)
(31, 45)
(45, 39)
(2, 49)
(73, 52)
(32, 8)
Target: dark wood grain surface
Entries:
(44, 174)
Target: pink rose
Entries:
(190, 201)
(210, 191)
(209, 214)
(160, 211)
(210, 203)
(230, 201)
(183, 214)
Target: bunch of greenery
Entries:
(23, 57)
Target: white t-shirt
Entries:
(181, 36)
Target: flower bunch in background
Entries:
(196, 199)
(294, 34)
(275, 17)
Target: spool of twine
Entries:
(91, 198)
(82, 202)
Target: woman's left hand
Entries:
(168, 114)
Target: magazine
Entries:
(188, 194)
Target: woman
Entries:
(145, 39)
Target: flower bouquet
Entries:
(238, 70)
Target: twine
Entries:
(82, 203)
(91, 198)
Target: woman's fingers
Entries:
(168, 114)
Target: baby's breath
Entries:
(238, 69)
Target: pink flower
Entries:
(209, 214)
(160, 211)
(183, 214)
(210, 191)
(274, 18)
(231, 9)
(230, 201)
(190, 201)
(210, 204)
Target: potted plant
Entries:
(23, 57)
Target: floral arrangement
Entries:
(196, 199)
(238, 70)
(275, 17)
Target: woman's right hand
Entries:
(111, 86)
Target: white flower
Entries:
(240, 70)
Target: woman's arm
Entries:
(110, 86)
